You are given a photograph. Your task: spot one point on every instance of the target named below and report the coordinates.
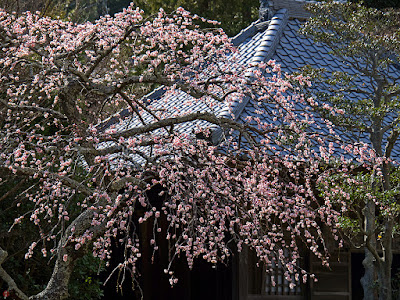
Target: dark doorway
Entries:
(357, 271)
(205, 281)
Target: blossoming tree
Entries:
(60, 81)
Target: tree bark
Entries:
(368, 280)
(57, 287)
(377, 279)
(385, 264)
(384, 280)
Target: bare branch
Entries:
(126, 98)
(13, 190)
(33, 108)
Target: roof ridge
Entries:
(263, 52)
(238, 39)
(270, 40)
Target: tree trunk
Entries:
(384, 270)
(385, 265)
(385, 282)
(377, 279)
(57, 288)
(369, 262)
(368, 280)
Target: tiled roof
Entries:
(253, 45)
(254, 39)
(295, 51)
(277, 39)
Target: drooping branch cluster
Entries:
(63, 83)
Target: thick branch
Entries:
(189, 89)
(205, 116)
(391, 141)
(121, 183)
(57, 287)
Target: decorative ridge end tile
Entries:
(249, 31)
(295, 7)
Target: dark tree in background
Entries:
(380, 4)
(234, 15)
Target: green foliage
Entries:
(83, 10)
(84, 283)
(31, 275)
(115, 6)
(356, 190)
(368, 41)
(354, 30)
(349, 224)
(234, 15)
(380, 3)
